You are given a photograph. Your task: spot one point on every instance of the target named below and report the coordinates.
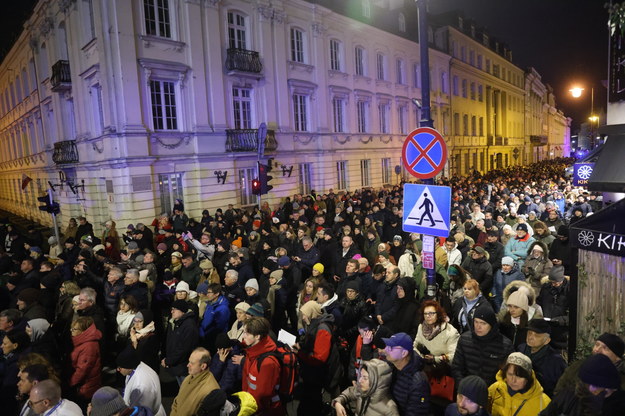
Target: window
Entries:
(335, 55)
(444, 83)
(341, 174)
(170, 186)
(236, 31)
(400, 72)
(97, 107)
(479, 61)
(359, 61)
(383, 110)
(481, 126)
(463, 54)
(380, 65)
(416, 71)
(402, 22)
(455, 85)
(464, 88)
(300, 115)
(365, 167)
(473, 90)
(163, 96)
(157, 18)
(488, 65)
(472, 58)
(362, 116)
(480, 93)
(386, 170)
(297, 45)
(456, 124)
(305, 180)
(242, 107)
(401, 114)
(338, 113)
(245, 186)
(473, 126)
(465, 125)
(366, 8)
(25, 83)
(496, 70)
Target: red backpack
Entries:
(289, 370)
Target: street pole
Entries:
(54, 222)
(261, 135)
(426, 121)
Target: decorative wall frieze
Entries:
(365, 139)
(271, 13)
(305, 139)
(386, 140)
(344, 140)
(166, 142)
(46, 26)
(318, 29)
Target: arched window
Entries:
(402, 22)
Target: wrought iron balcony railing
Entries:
(65, 152)
(61, 78)
(243, 60)
(244, 140)
(539, 140)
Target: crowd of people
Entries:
(321, 303)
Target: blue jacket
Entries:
(411, 389)
(502, 280)
(517, 249)
(216, 317)
(228, 374)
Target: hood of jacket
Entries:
(542, 245)
(500, 388)
(514, 286)
(39, 327)
(380, 377)
(90, 334)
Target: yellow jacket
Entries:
(500, 403)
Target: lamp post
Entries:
(576, 92)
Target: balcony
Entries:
(538, 140)
(61, 79)
(65, 152)
(244, 140)
(242, 60)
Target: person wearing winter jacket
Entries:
(261, 376)
(354, 308)
(517, 247)
(534, 310)
(371, 396)
(479, 268)
(513, 324)
(198, 384)
(142, 385)
(509, 271)
(464, 308)
(225, 368)
(555, 301)
(406, 318)
(85, 359)
(495, 249)
(364, 348)
(537, 264)
(144, 340)
(436, 338)
(481, 351)
(182, 337)
(471, 400)
(517, 391)
(216, 316)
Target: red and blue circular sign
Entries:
(424, 153)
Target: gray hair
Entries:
(117, 271)
(89, 293)
(48, 390)
(133, 272)
(232, 273)
(12, 315)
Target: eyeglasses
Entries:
(429, 313)
(31, 403)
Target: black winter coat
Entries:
(411, 389)
(480, 270)
(480, 356)
(548, 365)
(182, 338)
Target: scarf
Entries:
(430, 331)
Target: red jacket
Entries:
(86, 362)
(262, 384)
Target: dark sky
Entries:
(566, 41)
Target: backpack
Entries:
(289, 370)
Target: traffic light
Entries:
(264, 178)
(255, 187)
(50, 206)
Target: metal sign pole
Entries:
(261, 135)
(54, 222)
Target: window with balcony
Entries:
(297, 45)
(465, 125)
(157, 18)
(237, 31)
(242, 107)
(164, 112)
(359, 61)
(300, 112)
(473, 126)
(335, 55)
(481, 126)
(338, 114)
(365, 172)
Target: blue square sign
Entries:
(427, 209)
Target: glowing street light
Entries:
(576, 92)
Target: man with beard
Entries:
(471, 400)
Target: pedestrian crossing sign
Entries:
(427, 209)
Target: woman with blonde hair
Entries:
(309, 291)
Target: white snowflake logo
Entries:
(584, 172)
(586, 238)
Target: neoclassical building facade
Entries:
(130, 104)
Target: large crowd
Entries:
(319, 304)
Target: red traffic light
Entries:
(255, 187)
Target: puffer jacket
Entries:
(504, 279)
(517, 248)
(86, 362)
(480, 356)
(376, 401)
(535, 311)
(182, 338)
(501, 403)
(480, 270)
(535, 268)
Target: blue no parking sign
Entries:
(424, 153)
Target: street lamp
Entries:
(576, 92)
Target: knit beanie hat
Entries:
(311, 309)
(206, 264)
(599, 371)
(353, 285)
(128, 358)
(133, 245)
(475, 389)
(519, 300)
(284, 261)
(270, 265)
(161, 246)
(556, 274)
(242, 306)
(256, 310)
(277, 274)
(614, 343)
(202, 288)
(486, 314)
(507, 261)
(238, 242)
(253, 283)
(521, 360)
(319, 267)
(107, 401)
(182, 287)
(181, 305)
(28, 295)
(212, 403)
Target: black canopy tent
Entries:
(609, 171)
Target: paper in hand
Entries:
(287, 338)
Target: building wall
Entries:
(132, 169)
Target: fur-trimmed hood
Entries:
(542, 245)
(545, 279)
(514, 286)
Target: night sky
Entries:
(565, 40)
